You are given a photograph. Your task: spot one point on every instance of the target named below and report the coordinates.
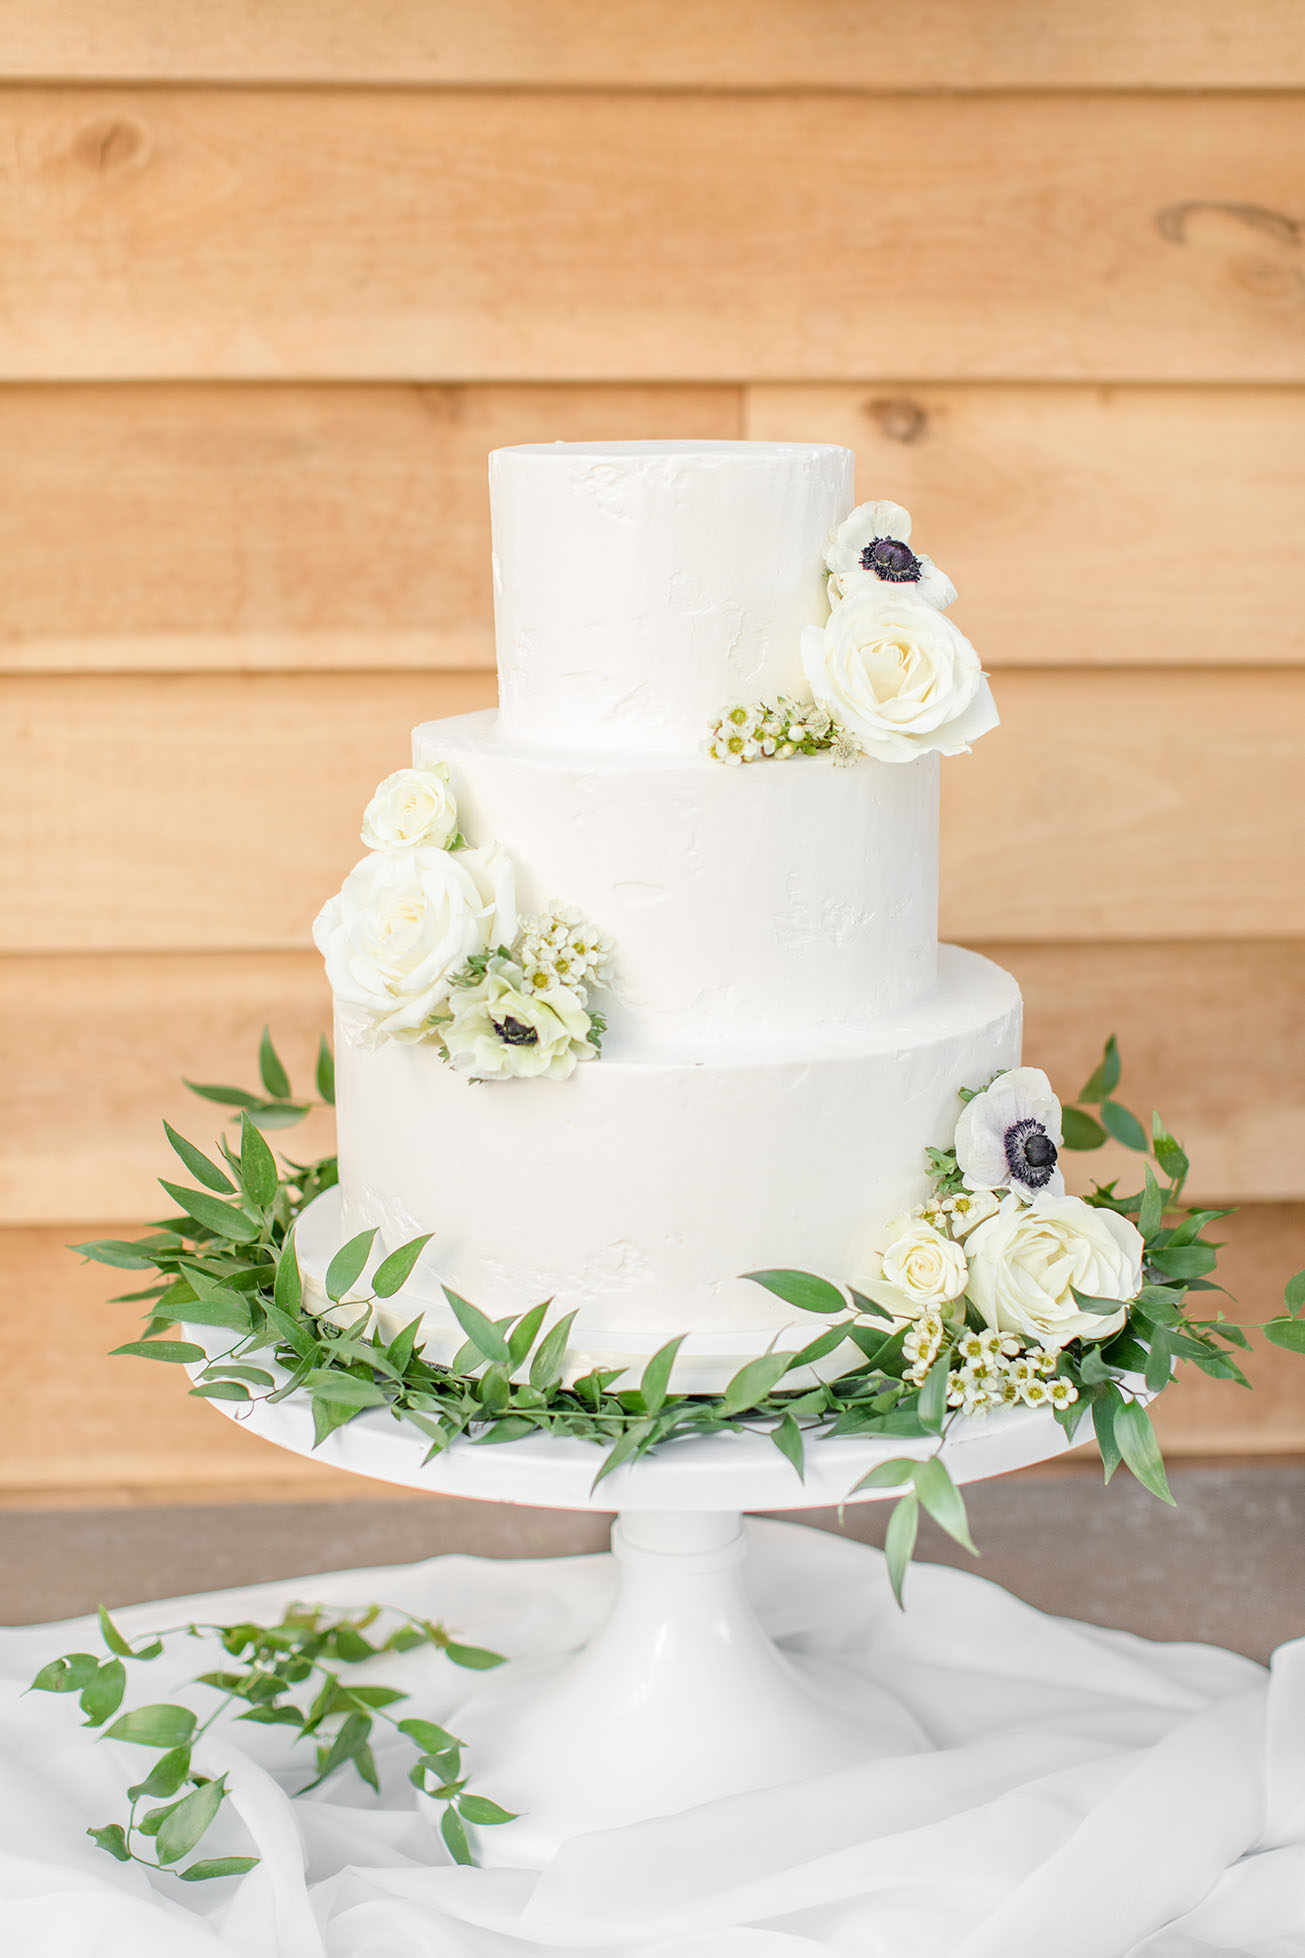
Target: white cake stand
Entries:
(680, 1697)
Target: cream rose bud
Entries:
(1027, 1262)
(921, 1271)
(500, 1029)
(898, 676)
(404, 922)
(414, 806)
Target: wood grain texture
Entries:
(1087, 526)
(337, 528)
(246, 528)
(863, 44)
(176, 813)
(362, 235)
(94, 1050)
(86, 1421)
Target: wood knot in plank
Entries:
(1174, 221)
(898, 417)
(109, 144)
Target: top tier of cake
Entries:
(640, 586)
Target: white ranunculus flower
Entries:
(1027, 1262)
(897, 675)
(414, 806)
(920, 1271)
(403, 923)
(500, 1028)
(871, 548)
(1010, 1136)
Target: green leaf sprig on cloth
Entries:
(226, 1263)
(294, 1675)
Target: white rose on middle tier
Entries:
(404, 922)
(897, 675)
(920, 1271)
(1027, 1262)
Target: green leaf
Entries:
(198, 1164)
(1140, 1449)
(278, 1114)
(1182, 1260)
(484, 1813)
(154, 1726)
(346, 1746)
(888, 1475)
(254, 1375)
(166, 1776)
(346, 1266)
(475, 1658)
(223, 1219)
(1104, 1078)
(325, 1072)
(1151, 1215)
(488, 1339)
(802, 1289)
(753, 1382)
(455, 1836)
(287, 1288)
(221, 1390)
(932, 1404)
(218, 1866)
(117, 1252)
(546, 1366)
(1293, 1292)
(429, 1737)
(395, 1271)
(112, 1637)
(1287, 1333)
(657, 1374)
(102, 1693)
(177, 1352)
(112, 1839)
(344, 1389)
(1169, 1154)
(271, 1072)
(944, 1501)
(1104, 1411)
(66, 1675)
(1124, 1126)
(787, 1437)
(227, 1097)
(259, 1176)
(183, 1826)
(899, 1540)
(525, 1332)
(1080, 1130)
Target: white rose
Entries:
(1027, 1262)
(413, 806)
(920, 1271)
(501, 1029)
(403, 923)
(870, 548)
(898, 676)
(1010, 1136)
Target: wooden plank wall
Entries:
(274, 278)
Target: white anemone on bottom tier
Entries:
(784, 897)
(637, 1192)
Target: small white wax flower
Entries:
(412, 807)
(969, 1207)
(1009, 1137)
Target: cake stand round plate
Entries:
(681, 1696)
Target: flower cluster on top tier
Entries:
(1038, 1270)
(425, 939)
(889, 676)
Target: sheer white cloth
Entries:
(1082, 1794)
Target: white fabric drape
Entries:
(1081, 1794)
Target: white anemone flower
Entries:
(1009, 1137)
(871, 547)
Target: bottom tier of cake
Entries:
(638, 1191)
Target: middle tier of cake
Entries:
(745, 905)
(638, 1191)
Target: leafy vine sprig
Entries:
(309, 1645)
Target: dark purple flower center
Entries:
(1030, 1153)
(515, 1033)
(891, 560)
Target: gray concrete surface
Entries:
(1228, 1565)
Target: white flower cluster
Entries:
(996, 1371)
(762, 733)
(889, 676)
(424, 940)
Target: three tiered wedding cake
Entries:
(638, 988)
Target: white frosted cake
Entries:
(784, 1035)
